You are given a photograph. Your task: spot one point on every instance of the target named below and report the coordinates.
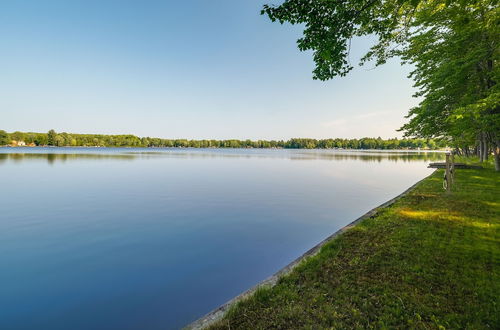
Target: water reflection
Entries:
(60, 157)
(370, 156)
(52, 155)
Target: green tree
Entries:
(456, 73)
(51, 138)
(59, 141)
(40, 139)
(453, 46)
(4, 138)
(17, 136)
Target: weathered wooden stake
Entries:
(452, 167)
(448, 173)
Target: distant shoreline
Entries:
(54, 139)
(243, 148)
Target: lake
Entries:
(135, 238)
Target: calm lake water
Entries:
(125, 238)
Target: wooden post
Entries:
(448, 173)
(452, 167)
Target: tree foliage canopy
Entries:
(4, 138)
(451, 44)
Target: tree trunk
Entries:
(481, 148)
(497, 159)
(496, 152)
(486, 147)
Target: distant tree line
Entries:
(52, 138)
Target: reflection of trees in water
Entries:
(294, 154)
(51, 158)
(370, 156)
(374, 157)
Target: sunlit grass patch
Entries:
(429, 215)
(492, 204)
(485, 225)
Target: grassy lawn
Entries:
(430, 261)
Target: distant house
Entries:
(15, 143)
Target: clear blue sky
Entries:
(193, 69)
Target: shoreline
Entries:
(218, 313)
(232, 148)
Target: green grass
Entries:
(430, 261)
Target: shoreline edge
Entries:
(219, 312)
